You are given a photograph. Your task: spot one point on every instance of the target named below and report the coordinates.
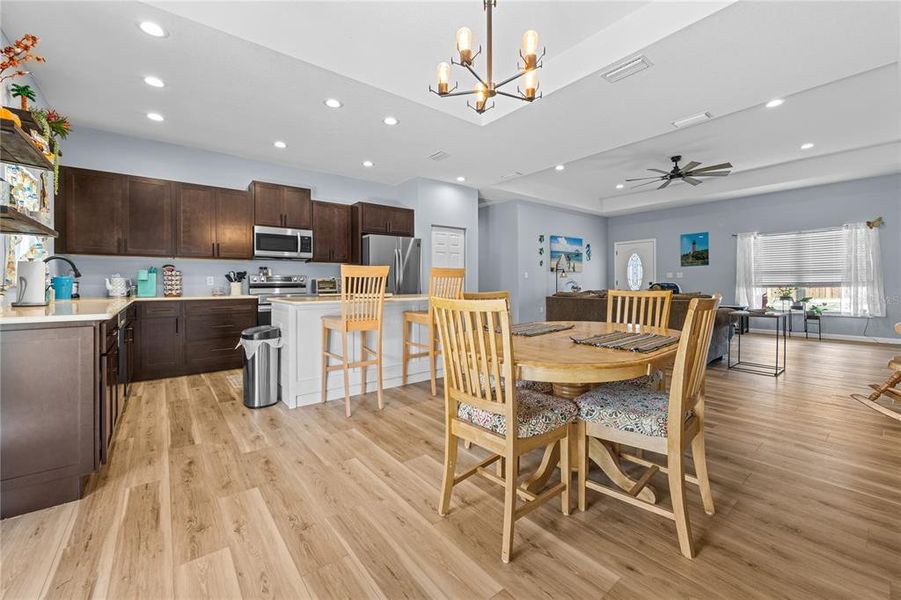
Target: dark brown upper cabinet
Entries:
(378, 219)
(148, 218)
(195, 222)
(213, 222)
(281, 205)
(331, 235)
(89, 212)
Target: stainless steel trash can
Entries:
(261, 365)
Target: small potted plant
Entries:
(815, 311)
(23, 92)
(55, 127)
(13, 57)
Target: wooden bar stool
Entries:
(443, 283)
(362, 302)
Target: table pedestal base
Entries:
(570, 391)
(603, 454)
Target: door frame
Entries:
(431, 238)
(616, 246)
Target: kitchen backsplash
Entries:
(95, 269)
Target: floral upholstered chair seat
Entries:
(538, 413)
(626, 407)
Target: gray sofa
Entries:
(592, 306)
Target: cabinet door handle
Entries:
(218, 249)
(213, 248)
(176, 324)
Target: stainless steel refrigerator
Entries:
(402, 255)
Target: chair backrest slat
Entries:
(690, 365)
(647, 308)
(477, 367)
(362, 293)
(446, 283)
(499, 295)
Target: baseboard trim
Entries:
(839, 336)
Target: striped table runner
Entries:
(633, 342)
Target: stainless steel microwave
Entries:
(281, 242)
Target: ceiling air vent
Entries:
(692, 120)
(440, 155)
(626, 68)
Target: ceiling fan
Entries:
(689, 173)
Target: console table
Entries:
(774, 370)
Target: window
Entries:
(634, 272)
(839, 267)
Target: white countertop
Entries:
(336, 299)
(85, 309)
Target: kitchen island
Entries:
(300, 320)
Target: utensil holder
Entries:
(235, 288)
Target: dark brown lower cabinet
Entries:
(183, 337)
(48, 413)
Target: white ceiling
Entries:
(242, 74)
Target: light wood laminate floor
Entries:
(204, 498)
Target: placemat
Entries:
(539, 328)
(633, 342)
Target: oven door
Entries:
(280, 242)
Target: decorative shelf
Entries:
(14, 221)
(17, 148)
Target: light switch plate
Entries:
(211, 281)
(669, 275)
(525, 275)
(678, 274)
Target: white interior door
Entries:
(635, 264)
(448, 247)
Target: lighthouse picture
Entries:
(695, 249)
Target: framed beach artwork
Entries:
(695, 249)
(566, 254)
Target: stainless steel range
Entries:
(265, 285)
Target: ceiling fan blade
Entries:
(719, 167)
(691, 180)
(716, 174)
(659, 171)
(642, 178)
(665, 183)
(645, 183)
(690, 166)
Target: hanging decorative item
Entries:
(588, 252)
(488, 88)
(55, 127)
(541, 250)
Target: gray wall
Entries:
(509, 254)
(434, 202)
(805, 208)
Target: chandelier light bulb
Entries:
(531, 84)
(481, 97)
(443, 77)
(530, 48)
(464, 45)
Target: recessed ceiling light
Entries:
(280, 144)
(368, 163)
(154, 81)
(774, 103)
(155, 116)
(806, 146)
(151, 28)
(332, 103)
(390, 121)
(619, 186)
(559, 167)
(461, 179)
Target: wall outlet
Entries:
(211, 281)
(678, 274)
(541, 309)
(525, 275)
(669, 275)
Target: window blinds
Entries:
(802, 258)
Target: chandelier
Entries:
(488, 88)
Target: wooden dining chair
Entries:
(658, 422)
(483, 405)
(887, 388)
(443, 283)
(362, 304)
(498, 295)
(649, 308)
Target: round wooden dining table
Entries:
(573, 369)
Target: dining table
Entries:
(573, 369)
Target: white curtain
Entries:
(862, 290)
(745, 291)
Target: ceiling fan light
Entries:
(530, 48)
(464, 45)
(443, 77)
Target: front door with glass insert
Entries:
(635, 264)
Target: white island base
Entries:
(300, 319)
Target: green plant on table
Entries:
(786, 293)
(817, 309)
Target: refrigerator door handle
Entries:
(397, 276)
